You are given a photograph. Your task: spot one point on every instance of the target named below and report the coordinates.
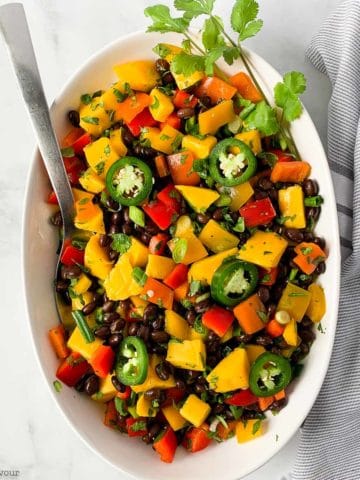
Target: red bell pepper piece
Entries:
(52, 198)
(136, 427)
(242, 398)
(160, 214)
(111, 416)
(81, 143)
(282, 156)
(142, 120)
(268, 276)
(177, 277)
(166, 444)
(72, 369)
(174, 395)
(259, 212)
(74, 168)
(158, 244)
(171, 197)
(72, 255)
(102, 360)
(184, 100)
(125, 394)
(218, 320)
(197, 438)
(274, 329)
(173, 120)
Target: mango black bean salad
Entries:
(190, 288)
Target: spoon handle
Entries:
(15, 29)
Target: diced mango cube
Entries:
(144, 407)
(216, 238)
(253, 352)
(295, 301)
(100, 156)
(249, 430)
(231, 373)
(291, 205)
(120, 284)
(172, 415)
(195, 410)
(77, 343)
(252, 139)
(203, 270)
(161, 105)
(198, 198)
(79, 302)
(140, 75)
(195, 250)
(211, 120)
(264, 249)
(200, 147)
(317, 306)
(82, 284)
(159, 267)
(176, 325)
(97, 259)
(91, 182)
(187, 354)
(107, 391)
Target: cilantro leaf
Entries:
(187, 64)
(263, 118)
(230, 54)
(162, 50)
(194, 8)
(211, 34)
(211, 57)
(287, 95)
(120, 242)
(243, 18)
(163, 22)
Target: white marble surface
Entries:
(34, 437)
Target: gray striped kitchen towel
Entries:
(330, 440)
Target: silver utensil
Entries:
(15, 29)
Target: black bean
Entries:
(263, 340)
(115, 339)
(151, 228)
(212, 336)
(320, 241)
(154, 430)
(260, 194)
(212, 361)
(89, 308)
(56, 219)
(202, 306)
(190, 316)
(199, 388)
(279, 229)
(186, 112)
(320, 268)
(244, 338)
(159, 336)
(111, 317)
(61, 285)
(202, 218)
(168, 78)
(162, 65)
(310, 188)
(91, 385)
(74, 118)
(103, 332)
(111, 204)
(80, 385)
(305, 348)
(69, 272)
(206, 101)
(153, 394)
(271, 310)
(278, 404)
(273, 194)
(306, 322)
(294, 235)
(163, 370)
(127, 136)
(116, 218)
(133, 328)
(117, 384)
(145, 238)
(277, 292)
(113, 255)
(192, 375)
(127, 229)
(307, 336)
(265, 183)
(104, 241)
(180, 384)
(117, 326)
(114, 229)
(264, 294)
(158, 323)
(218, 214)
(313, 213)
(143, 332)
(150, 312)
(108, 306)
(218, 409)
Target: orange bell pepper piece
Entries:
(216, 89)
(245, 87)
(294, 171)
(72, 136)
(265, 402)
(132, 106)
(58, 341)
(309, 255)
(197, 438)
(181, 165)
(161, 166)
(158, 293)
(249, 313)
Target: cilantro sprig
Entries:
(216, 44)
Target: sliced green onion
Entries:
(313, 201)
(137, 215)
(180, 249)
(223, 201)
(139, 276)
(83, 326)
(293, 273)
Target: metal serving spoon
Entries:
(15, 29)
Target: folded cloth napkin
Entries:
(330, 440)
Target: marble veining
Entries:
(34, 437)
